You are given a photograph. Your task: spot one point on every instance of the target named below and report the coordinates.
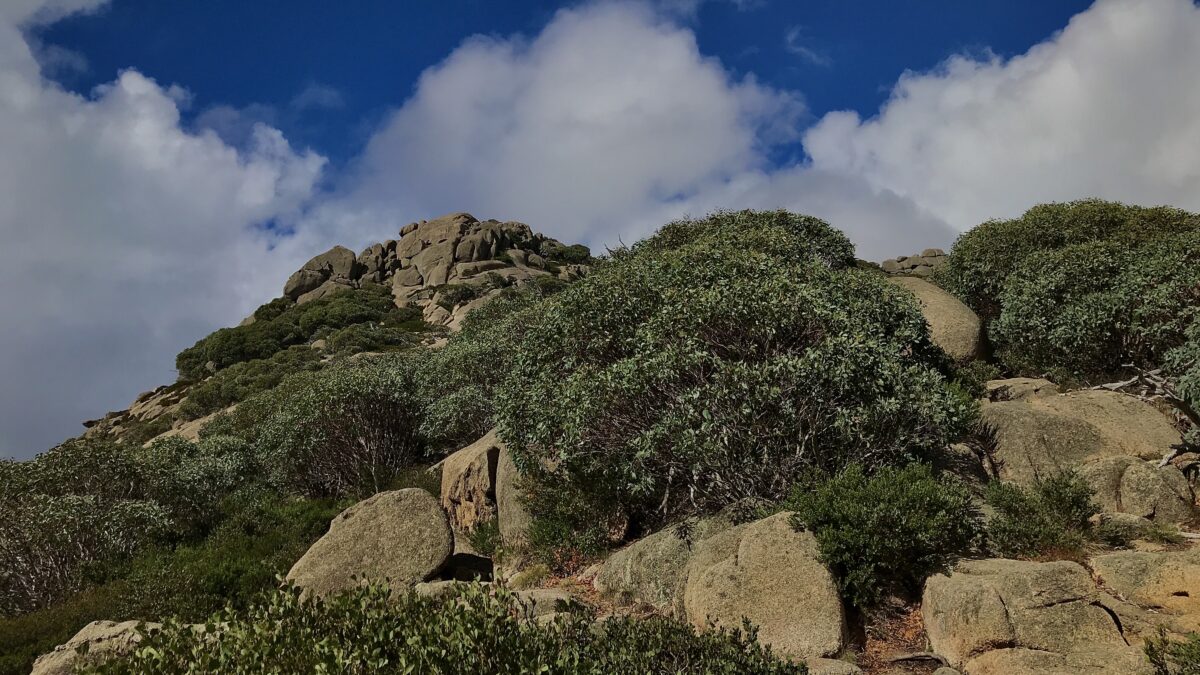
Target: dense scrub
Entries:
(373, 630)
(281, 324)
(718, 361)
(1077, 290)
(1049, 520)
(885, 534)
(1174, 657)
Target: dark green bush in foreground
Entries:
(1174, 657)
(885, 534)
(716, 361)
(372, 631)
(1049, 519)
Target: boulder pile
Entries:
(918, 265)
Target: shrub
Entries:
(373, 630)
(1049, 519)
(282, 326)
(1174, 657)
(453, 295)
(242, 380)
(1183, 366)
(345, 430)
(25, 637)
(717, 361)
(575, 254)
(1082, 311)
(885, 534)
(982, 259)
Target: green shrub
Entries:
(284, 325)
(453, 295)
(1183, 367)
(345, 430)
(718, 360)
(242, 380)
(25, 637)
(885, 534)
(982, 259)
(485, 538)
(1174, 657)
(1049, 519)
(575, 254)
(1081, 312)
(373, 630)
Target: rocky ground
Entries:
(985, 617)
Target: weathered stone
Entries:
(302, 282)
(513, 516)
(1131, 485)
(104, 640)
(769, 573)
(1019, 617)
(932, 253)
(1017, 388)
(402, 536)
(324, 290)
(651, 570)
(407, 276)
(434, 263)
(1167, 582)
(1044, 435)
(922, 271)
(952, 325)
(338, 261)
(831, 667)
(470, 269)
(469, 483)
(890, 266)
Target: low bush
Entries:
(283, 325)
(886, 533)
(373, 630)
(575, 254)
(25, 637)
(1183, 367)
(714, 362)
(1174, 657)
(242, 380)
(345, 430)
(1048, 520)
(453, 295)
(979, 265)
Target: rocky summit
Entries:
(731, 447)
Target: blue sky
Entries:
(164, 166)
(841, 54)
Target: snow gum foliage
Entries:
(717, 361)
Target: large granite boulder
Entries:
(953, 326)
(1013, 617)
(770, 574)
(1166, 582)
(1043, 435)
(336, 267)
(103, 640)
(650, 571)
(1130, 485)
(401, 536)
(469, 483)
(1019, 388)
(510, 506)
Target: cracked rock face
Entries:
(1016, 617)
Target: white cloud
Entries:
(1108, 107)
(125, 237)
(134, 236)
(318, 96)
(795, 42)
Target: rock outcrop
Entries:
(1166, 582)
(1013, 617)
(469, 483)
(401, 536)
(453, 249)
(100, 639)
(1134, 486)
(952, 325)
(770, 574)
(919, 265)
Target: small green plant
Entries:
(1174, 657)
(1047, 520)
(485, 538)
(885, 534)
(453, 295)
(477, 630)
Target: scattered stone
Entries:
(1019, 388)
(952, 325)
(769, 573)
(401, 536)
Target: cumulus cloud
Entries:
(1107, 107)
(125, 236)
(602, 127)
